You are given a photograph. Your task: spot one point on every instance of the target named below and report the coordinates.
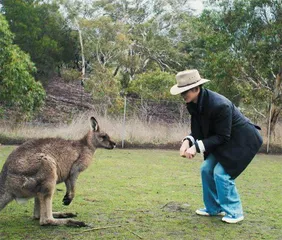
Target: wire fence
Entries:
(167, 112)
(149, 110)
(131, 119)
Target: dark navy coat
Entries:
(224, 131)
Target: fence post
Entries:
(268, 130)
(123, 125)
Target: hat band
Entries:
(189, 84)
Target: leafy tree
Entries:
(106, 89)
(239, 45)
(18, 88)
(128, 37)
(210, 51)
(41, 31)
(150, 93)
(153, 85)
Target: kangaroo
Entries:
(35, 167)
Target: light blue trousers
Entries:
(219, 190)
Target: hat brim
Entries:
(177, 90)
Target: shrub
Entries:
(70, 74)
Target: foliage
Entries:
(103, 86)
(211, 53)
(236, 44)
(1, 112)
(156, 50)
(41, 31)
(70, 74)
(240, 41)
(130, 38)
(152, 85)
(17, 86)
(124, 48)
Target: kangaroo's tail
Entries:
(2, 184)
(5, 196)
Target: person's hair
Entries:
(195, 88)
(192, 89)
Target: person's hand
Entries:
(184, 147)
(190, 152)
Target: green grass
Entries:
(153, 194)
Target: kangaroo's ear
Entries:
(94, 124)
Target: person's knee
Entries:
(206, 168)
(219, 173)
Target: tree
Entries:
(150, 93)
(241, 48)
(41, 31)
(18, 88)
(124, 39)
(153, 85)
(130, 38)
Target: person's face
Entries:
(191, 95)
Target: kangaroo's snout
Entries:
(109, 144)
(112, 145)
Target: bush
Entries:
(153, 85)
(70, 75)
(18, 88)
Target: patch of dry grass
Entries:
(133, 131)
(277, 136)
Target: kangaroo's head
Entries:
(100, 139)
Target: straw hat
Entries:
(187, 80)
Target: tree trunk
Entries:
(276, 104)
(82, 50)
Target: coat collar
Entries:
(197, 108)
(201, 100)
(200, 114)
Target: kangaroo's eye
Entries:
(103, 137)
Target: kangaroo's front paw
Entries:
(67, 200)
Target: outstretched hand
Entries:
(184, 147)
(191, 152)
(187, 151)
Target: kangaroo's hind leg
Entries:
(36, 212)
(36, 209)
(46, 216)
(45, 197)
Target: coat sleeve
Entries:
(221, 122)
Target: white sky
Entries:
(197, 5)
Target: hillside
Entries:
(64, 100)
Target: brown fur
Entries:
(34, 168)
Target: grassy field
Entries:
(153, 194)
